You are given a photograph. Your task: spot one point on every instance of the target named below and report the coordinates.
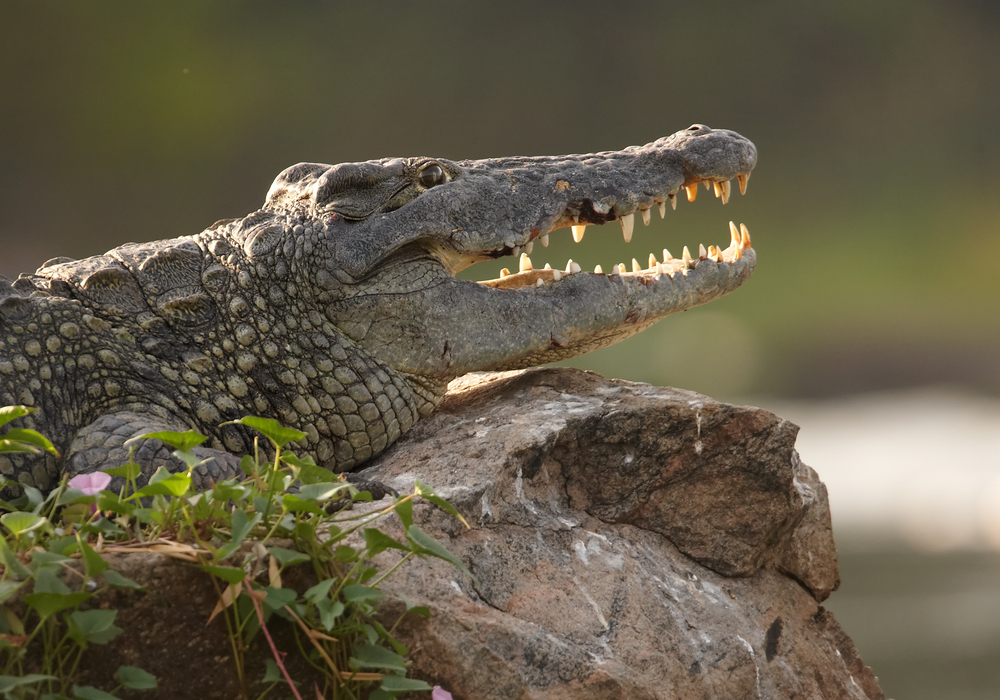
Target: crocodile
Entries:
(335, 308)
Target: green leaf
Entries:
(106, 500)
(373, 656)
(149, 516)
(329, 611)
(40, 558)
(294, 504)
(7, 589)
(271, 429)
(401, 684)
(19, 522)
(277, 598)
(30, 437)
(92, 561)
(10, 560)
(272, 674)
(228, 491)
(427, 493)
(425, 544)
(116, 580)
(287, 557)
(404, 509)
(169, 485)
(248, 465)
(46, 604)
(320, 591)
(325, 491)
(135, 678)
(94, 626)
(184, 442)
(8, 683)
(230, 574)
(345, 553)
(47, 578)
(89, 692)
(377, 541)
(9, 413)
(243, 525)
(354, 593)
(129, 470)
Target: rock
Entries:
(628, 541)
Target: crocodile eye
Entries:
(432, 176)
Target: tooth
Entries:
(576, 218)
(734, 234)
(692, 191)
(547, 267)
(701, 252)
(615, 270)
(673, 201)
(743, 178)
(686, 257)
(652, 261)
(529, 246)
(556, 275)
(569, 265)
(578, 232)
(746, 236)
(718, 189)
(504, 273)
(627, 223)
(645, 216)
(539, 282)
(621, 268)
(635, 266)
(663, 206)
(545, 240)
(713, 253)
(739, 253)
(708, 184)
(598, 270)
(575, 267)
(517, 251)
(525, 263)
(667, 255)
(727, 189)
(661, 269)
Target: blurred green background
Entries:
(872, 208)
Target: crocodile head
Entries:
(389, 236)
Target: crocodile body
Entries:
(334, 308)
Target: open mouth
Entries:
(655, 267)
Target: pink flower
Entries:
(90, 483)
(440, 694)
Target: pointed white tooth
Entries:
(652, 261)
(525, 263)
(576, 218)
(663, 207)
(661, 269)
(545, 240)
(746, 236)
(621, 268)
(504, 273)
(727, 190)
(636, 267)
(673, 201)
(708, 184)
(547, 267)
(598, 270)
(718, 189)
(556, 275)
(575, 267)
(529, 246)
(743, 179)
(539, 282)
(578, 232)
(686, 257)
(569, 265)
(702, 254)
(734, 234)
(517, 251)
(667, 255)
(739, 253)
(615, 270)
(627, 222)
(645, 216)
(692, 191)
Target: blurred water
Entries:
(914, 482)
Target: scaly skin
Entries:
(334, 308)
